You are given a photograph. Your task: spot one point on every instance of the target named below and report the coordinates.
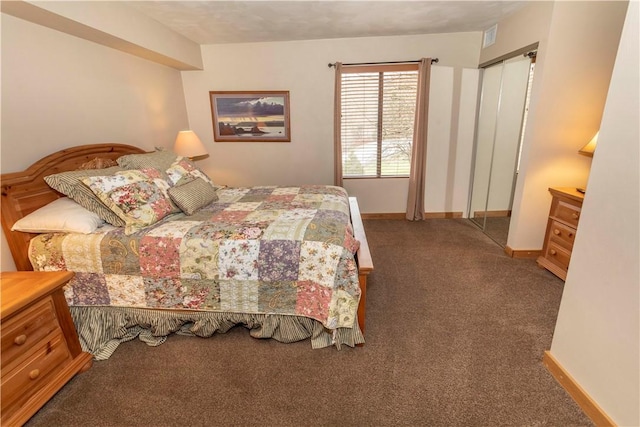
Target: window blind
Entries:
(378, 113)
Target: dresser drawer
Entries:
(558, 255)
(566, 212)
(27, 328)
(21, 382)
(562, 235)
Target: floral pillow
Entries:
(138, 197)
(70, 184)
(183, 171)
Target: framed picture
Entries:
(259, 116)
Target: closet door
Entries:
(498, 138)
(485, 133)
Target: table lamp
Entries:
(588, 150)
(189, 145)
(590, 147)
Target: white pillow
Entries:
(62, 215)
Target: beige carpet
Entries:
(455, 334)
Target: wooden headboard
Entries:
(24, 192)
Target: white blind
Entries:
(378, 112)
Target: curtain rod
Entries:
(433, 61)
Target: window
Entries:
(378, 112)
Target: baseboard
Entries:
(491, 214)
(402, 215)
(522, 253)
(383, 215)
(430, 215)
(581, 397)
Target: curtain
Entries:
(337, 127)
(415, 199)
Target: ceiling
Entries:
(211, 22)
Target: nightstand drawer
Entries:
(566, 212)
(562, 235)
(40, 347)
(558, 255)
(32, 373)
(23, 331)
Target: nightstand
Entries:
(40, 347)
(562, 225)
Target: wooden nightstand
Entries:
(561, 230)
(40, 348)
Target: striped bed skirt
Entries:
(102, 329)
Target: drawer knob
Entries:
(34, 374)
(20, 339)
(575, 215)
(556, 232)
(553, 252)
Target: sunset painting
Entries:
(250, 116)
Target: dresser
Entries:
(564, 216)
(40, 348)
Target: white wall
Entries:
(114, 24)
(60, 91)
(301, 68)
(577, 47)
(597, 336)
(527, 26)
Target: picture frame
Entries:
(250, 116)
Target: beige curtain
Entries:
(337, 127)
(415, 199)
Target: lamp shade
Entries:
(189, 145)
(590, 148)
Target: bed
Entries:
(137, 281)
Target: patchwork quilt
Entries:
(262, 250)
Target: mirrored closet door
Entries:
(500, 127)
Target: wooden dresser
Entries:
(40, 348)
(561, 230)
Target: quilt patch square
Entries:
(239, 296)
(120, 253)
(263, 216)
(239, 259)
(89, 289)
(284, 198)
(319, 262)
(125, 291)
(275, 205)
(286, 230)
(343, 309)
(256, 194)
(243, 206)
(313, 300)
(174, 229)
(333, 205)
(160, 256)
(278, 260)
(163, 293)
(297, 214)
(278, 297)
(338, 217)
(82, 252)
(325, 231)
(229, 216)
(201, 294)
(309, 199)
(199, 257)
(280, 191)
(48, 248)
(231, 195)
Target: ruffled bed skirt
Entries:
(102, 329)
